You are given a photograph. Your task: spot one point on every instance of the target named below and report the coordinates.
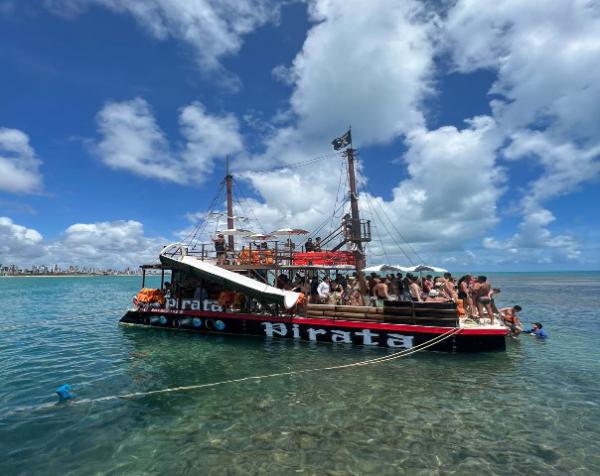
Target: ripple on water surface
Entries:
(531, 410)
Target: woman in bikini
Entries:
(464, 293)
(484, 298)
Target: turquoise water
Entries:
(532, 410)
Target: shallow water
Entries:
(534, 409)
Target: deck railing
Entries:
(276, 254)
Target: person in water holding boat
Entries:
(537, 330)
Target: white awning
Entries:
(230, 280)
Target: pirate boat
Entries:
(221, 288)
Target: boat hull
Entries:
(374, 334)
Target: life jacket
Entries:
(149, 295)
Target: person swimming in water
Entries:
(537, 330)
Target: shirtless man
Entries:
(414, 289)
(464, 293)
(511, 319)
(380, 292)
(450, 288)
(483, 290)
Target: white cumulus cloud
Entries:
(19, 165)
(547, 94)
(132, 140)
(115, 244)
(18, 242)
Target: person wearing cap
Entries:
(537, 330)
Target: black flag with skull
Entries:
(342, 141)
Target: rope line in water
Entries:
(397, 355)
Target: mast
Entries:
(228, 184)
(359, 255)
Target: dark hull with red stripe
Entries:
(377, 334)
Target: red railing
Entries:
(323, 258)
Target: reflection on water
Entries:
(531, 410)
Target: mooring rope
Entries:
(397, 355)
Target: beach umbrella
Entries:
(289, 231)
(259, 237)
(423, 268)
(235, 232)
(382, 268)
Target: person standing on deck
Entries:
(309, 246)
(400, 286)
(450, 287)
(380, 292)
(220, 249)
(483, 290)
(314, 290)
(414, 289)
(317, 245)
(355, 297)
(464, 293)
(323, 290)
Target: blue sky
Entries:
(477, 131)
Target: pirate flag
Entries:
(342, 141)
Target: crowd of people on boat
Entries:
(474, 295)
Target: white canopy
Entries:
(422, 268)
(171, 256)
(388, 268)
(382, 268)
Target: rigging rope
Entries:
(397, 355)
(370, 207)
(419, 257)
(337, 194)
(295, 165)
(247, 200)
(194, 235)
(391, 235)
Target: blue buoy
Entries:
(64, 392)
